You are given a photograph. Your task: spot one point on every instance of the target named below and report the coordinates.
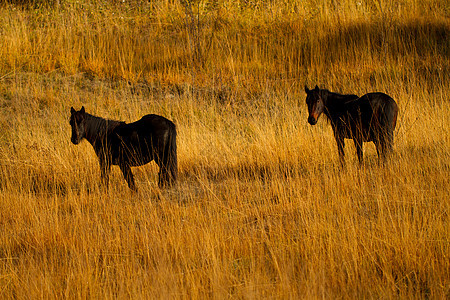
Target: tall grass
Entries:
(261, 209)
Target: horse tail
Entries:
(169, 161)
(389, 121)
(390, 114)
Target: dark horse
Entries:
(370, 118)
(127, 145)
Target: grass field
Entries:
(261, 208)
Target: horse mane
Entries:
(336, 104)
(345, 98)
(98, 127)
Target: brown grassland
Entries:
(261, 208)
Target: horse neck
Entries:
(336, 105)
(97, 129)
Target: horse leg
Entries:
(128, 175)
(105, 168)
(341, 144)
(381, 150)
(163, 174)
(377, 146)
(384, 146)
(162, 177)
(165, 177)
(359, 150)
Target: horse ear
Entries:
(316, 88)
(82, 110)
(306, 89)
(72, 110)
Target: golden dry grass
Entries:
(261, 209)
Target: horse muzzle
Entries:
(75, 141)
(312, 120)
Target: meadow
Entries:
(261, 208)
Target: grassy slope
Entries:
(261, 209)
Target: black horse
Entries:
(370, 118)
(127, 145)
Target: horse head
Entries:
(77, 121)
(316, 103)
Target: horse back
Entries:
(157, 123)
